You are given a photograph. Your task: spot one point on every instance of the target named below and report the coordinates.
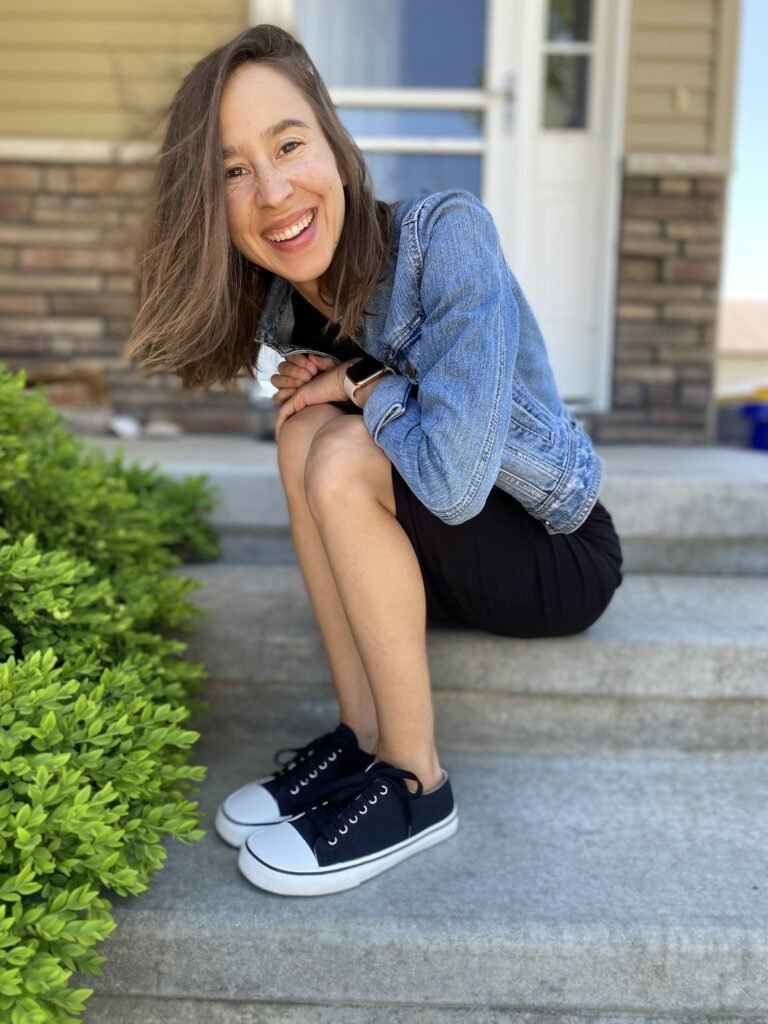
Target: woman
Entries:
(430, 468)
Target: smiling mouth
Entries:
(294, 230)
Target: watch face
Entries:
(364, 369)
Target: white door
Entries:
(452, 94)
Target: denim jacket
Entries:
(451, 318)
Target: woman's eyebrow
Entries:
(268, 133)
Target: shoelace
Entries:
(346, 800)
(302, 756)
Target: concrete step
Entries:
(580, 888)
(675, 662)
(677, 509)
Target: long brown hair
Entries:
(199, 298)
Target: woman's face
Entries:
(285, 198)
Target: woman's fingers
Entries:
(282, 396)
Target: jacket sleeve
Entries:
(447, 443)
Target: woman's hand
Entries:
(295, 370)
(326, 387)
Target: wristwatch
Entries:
(363, 372)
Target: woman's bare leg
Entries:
(350, 496)
(356, 706)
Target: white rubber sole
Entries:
(325, 881)
(235, 834)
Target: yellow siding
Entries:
(91, 69)
(675, 71)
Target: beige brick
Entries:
(676, 334)
(112, 179)
(94, 258)
(683, 417)
(696, 373)
(32, 234)
(26, 282)
(649, 247)
(693, 229)
(57, 179)
(94, 305)
(34, 325)
(672, 207)
(698, 357)
(641, 228)
(690, 312)
(119, 235)
(637, 311)
(7, 257)
(24, 304)
(15, 207)
(60, 216)
(703, 250)
(124, 283)
(675, 186)
(665, 291)
(706, 271)
(645, 374)
(638, 270)
(710, 186)
(19, 178)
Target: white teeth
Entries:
(294, 230)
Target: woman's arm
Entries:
(447, 444)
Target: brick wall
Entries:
(666, 315)
(67, 295)
(67, 290)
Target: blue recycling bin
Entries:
(757, 413)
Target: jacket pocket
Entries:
(528, 416)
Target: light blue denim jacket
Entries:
(451, 318)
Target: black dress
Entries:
(499, 571)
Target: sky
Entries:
(745, 266)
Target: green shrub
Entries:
(94, 695)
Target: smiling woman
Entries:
(287, 166)
(200, 290)
(431, 470)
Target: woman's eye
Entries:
(289, 147)
(233, 172)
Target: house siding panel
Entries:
(102, 71)
(673, 74)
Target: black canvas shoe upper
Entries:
(313, 766)
(368, 812)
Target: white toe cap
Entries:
(282, 847)
(252, 804)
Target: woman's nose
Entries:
(272, 187)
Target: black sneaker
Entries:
(368, 823)
(267, 801)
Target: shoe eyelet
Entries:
(353, 820)
(383, 790)
(332, 757)
(332, 842)
(294, 791)
(363, 810)
(323, 765)
(313, 775)
(343, 830)
(304, 782)
(374, 801)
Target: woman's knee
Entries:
(343, 461)
(296, 439)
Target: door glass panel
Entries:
(404, 175)
(391, 43)
(460, 124)
(565, 95)
(569, 21)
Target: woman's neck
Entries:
(310, 292)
